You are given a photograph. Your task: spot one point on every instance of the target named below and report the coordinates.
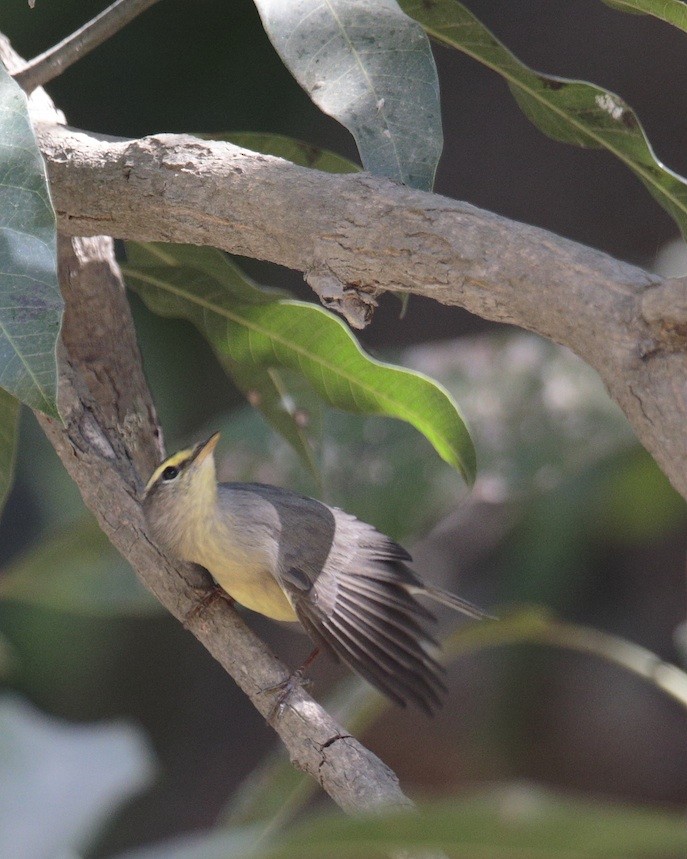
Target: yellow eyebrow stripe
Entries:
(177, 460)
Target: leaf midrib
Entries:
(208, 305)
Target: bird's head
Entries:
(181, 491)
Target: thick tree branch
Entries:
(109, 443)
(53, 62)
(357, 234)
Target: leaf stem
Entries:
(54, 61)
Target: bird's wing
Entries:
(349, 586)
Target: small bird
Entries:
(293, 558)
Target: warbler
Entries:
(293, 558)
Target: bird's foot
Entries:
(295, 680)
(207, 599)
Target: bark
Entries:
(358, 235)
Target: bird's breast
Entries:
(244, 565)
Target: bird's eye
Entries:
(170, 473)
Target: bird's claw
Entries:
(284, 688)
(208, 598)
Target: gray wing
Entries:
(349, 584)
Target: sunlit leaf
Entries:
(370, 67)
(567, 110)
(9, 426)
(78, 571)
(30, 300)
(264, 332)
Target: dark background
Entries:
(524, 713)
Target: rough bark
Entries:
(358, 235)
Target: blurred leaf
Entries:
(30, 300)
(513, 822)
(252, 329)
(78, 571)
(638, 503)
(671, 11)
(370, 67)
(9, 426)
(61, 782)
(296, 151)
(8, 657)
(570, 111)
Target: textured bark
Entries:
(358, 235)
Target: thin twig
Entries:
(53, 62)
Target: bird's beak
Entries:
(205, 449)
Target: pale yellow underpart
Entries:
(245, 577)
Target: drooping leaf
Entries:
(30, 300)
(567, 110)
(77, 571)
(61, 782)
(291, 410)
(671, 11)
(514, 821)
(270, 332)
(297, 151)
(370, 67)
(9, 426)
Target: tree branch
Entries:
(109, 442)
(358, 234)
(53, 62)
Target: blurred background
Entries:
(568, 512)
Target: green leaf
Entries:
(264, 332)
(512, 822)
(30, 300)
(9, 427)
(570, 111)
(671, 11)
(296, 151)
(288, 408)
(78, 571)
(370, 67)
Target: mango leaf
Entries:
(297, 151)
(514, 821)
(78, 571)
(9, 426)
(671, 11)
(370, 67)
(290, 409)
(265, 332)
(30, 300)
(566, 110)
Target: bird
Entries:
(294, 558)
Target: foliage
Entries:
(369, 65)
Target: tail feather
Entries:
(452, 601)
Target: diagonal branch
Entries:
(358, 234)
(53, 62)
